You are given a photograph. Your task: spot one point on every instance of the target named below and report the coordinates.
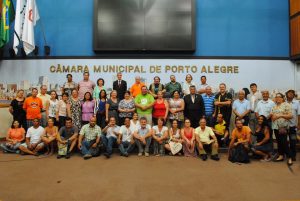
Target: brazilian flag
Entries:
(7, 17)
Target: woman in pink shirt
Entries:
(86, 85)
(88, 106)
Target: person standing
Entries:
(188, 82)
(16, 109)
(126, 108)
(61, 110)
(88, 108)
(173, 86)
(136, 88)
(194, 108)
(86, 85)
(294, 122)
(69, 85)
(241, 108)
(100, 109)
(160, 108)
(51, 107)
(74, 109)
(144, 103)
(223, 102)
(33, 106)
(203, 85)
(120, 86)
(45, 98)
(155, 87)
(209, 99)
(111, 107)
(254, 97)
(264, 106)
(100, 86)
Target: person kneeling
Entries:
(206, 138)
(159, 134)
(109, 136)
(143, 137)
(89, 139)
(239, 144)
(125, 138)
(33, 142)
(67, 139)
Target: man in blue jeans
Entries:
(125, 138)
(143, 137)
(109, 136)
(89, 139)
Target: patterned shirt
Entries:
(208, 104)
(90, 133)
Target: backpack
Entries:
(239, 154)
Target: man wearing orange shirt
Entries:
(136, 88)
(33, 106)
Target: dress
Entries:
(113, 109)
(75, 107)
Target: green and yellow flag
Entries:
(7, 16)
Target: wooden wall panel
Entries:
(295, 35)
(294, 7)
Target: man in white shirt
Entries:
(294, 122)
(125, 138)
(33, 142)
(203, 85)
(241, 108)
(45, 98)
(109, 136)
(264, 106)
(253, 98)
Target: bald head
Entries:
(242, 94)
(93, 121)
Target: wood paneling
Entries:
(295, 36)
(294, 7)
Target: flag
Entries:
(19, 22)
(7, 16)
(31, 17)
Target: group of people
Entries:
(186, 119)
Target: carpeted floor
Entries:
(142, 179)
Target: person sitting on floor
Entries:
(206, 138)
(89, 139)
(220, 130)
(125, 138)
(109, 136)
(142, 137)
(239, 144)
(14, 138)
(263, 146)
(33, 142)
(49, 136)
(159, 136)
(175, 141)
(67, 139)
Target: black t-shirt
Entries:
(17, 107)
(224, 110)
(66, 133)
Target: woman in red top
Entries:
(160, 108)
(188, 136)
(15, 135)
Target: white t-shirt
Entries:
(110, 131)
(35, 134)
(134, 126)
(143, 132)
(159, 133)
(126, 133)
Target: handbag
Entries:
(175, 147)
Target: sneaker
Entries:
(215, 157)
(68, 155)
(146, 154)
(140, 154)
(126, 154)
(59, 156)
(87, 156)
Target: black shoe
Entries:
(204, 157)
(59, 156)
(106, 155)
(68, 156)
(215, 157)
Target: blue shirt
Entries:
(208, 104)
(241, 106)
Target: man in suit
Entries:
(120, 86)
(194, 107)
